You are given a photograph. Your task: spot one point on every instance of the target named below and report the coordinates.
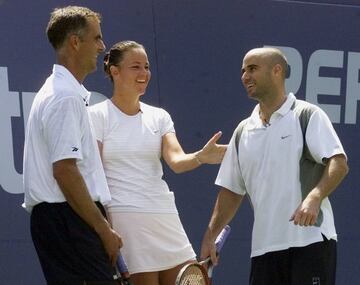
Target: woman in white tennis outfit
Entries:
(133, 137)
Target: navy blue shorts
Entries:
(314, 264)
(69, 250)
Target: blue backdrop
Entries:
(195, 49)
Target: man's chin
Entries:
(253, 96)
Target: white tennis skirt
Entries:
(152, 242)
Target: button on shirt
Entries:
(59, 128)
(267, 169)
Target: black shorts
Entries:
(69, 250)
(314, 264)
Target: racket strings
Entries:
(193, 275)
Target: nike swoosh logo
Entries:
(284, 137)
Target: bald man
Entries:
(272, 158)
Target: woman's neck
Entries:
(129, 106)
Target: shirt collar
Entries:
(286, 106)
(255, 121)
(62, 71)
(141, 108)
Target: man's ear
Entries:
(277, 69)
(74, 41)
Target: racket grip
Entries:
(122, 267)
(221, 238)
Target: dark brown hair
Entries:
(68, 21)
(116, 54)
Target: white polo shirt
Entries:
(132, 157)
(59, 128)
(267, 169)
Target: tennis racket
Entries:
(123, 273)
(195, 273)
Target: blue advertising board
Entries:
(195, 48)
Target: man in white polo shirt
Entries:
(293, 237)
(64, 182)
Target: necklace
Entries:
(264, 120)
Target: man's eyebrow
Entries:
(247, 67)
(252, 65)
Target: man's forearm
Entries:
(335, 171)
(226, 206)
(75, 191)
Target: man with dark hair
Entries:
(64, 183)
(287, 158)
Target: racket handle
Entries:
(122, 267)
(221, 238)
(219, 242)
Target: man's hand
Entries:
(208, 248)
(307, 212)
(112, 242)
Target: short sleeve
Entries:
(166, 123)
(321, 137)
(62, 129)
(229, 175)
